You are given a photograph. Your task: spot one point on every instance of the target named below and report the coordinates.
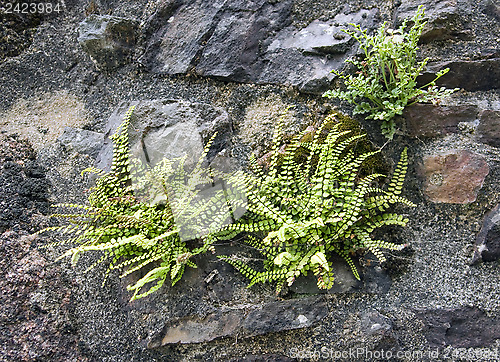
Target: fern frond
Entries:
(135, 214)
(312, 205)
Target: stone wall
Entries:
(194, 67)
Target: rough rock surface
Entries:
(444, 18)
(446, 327)
(471, 75)
(23, 187)
(170, 128)
(16, 31)
(454, 177)
(487, 245)
(82, 141)
(429, 121)
(251, 41)
(244, 322)
(109, 40)
(36, 298)
(489, 127)
(240, 65)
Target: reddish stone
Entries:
(429, 120)
(489, 128)
(454, 177)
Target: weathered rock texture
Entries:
(429, 120)
(487, 245)
(109, 40)
(244, 322)
(249, 41)
(194, 67)
(170, 128)
(454, 177)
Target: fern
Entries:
(311, 204)
(138, 215)
(386, 78)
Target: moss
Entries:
(376, 163)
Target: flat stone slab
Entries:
(471, 75)
(442, 18)
(169, 128)
(428, 120)
(82, 141)
(489, 127)
(250, 41)
(244, 322)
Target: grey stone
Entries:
(375, 278)
(372, 322)
(442, 18)
(284, 315)
(169, 128)
(321, 37)
(244, 322)
(173, 129)
(234, 50)
(157, 15)
(251, 42)
(109, 40)
(305, 58)
(454, 176)
(82, 141)
(487, 245)
(465, 327)
(311, 74)
(51, 311)
(173, 47)
(492, 8)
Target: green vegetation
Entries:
(315, 200)
(138, 215)
(386, 78)
(312, 204)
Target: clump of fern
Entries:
(138, 215)
(386, 78)
(311, 204)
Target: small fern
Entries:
(311, 204)
(138, 215)
(386, 78)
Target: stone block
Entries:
(454, 176)
(109, 40)
(428, 120)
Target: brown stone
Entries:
(489, 128)
(454, 177)
(429, 120)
